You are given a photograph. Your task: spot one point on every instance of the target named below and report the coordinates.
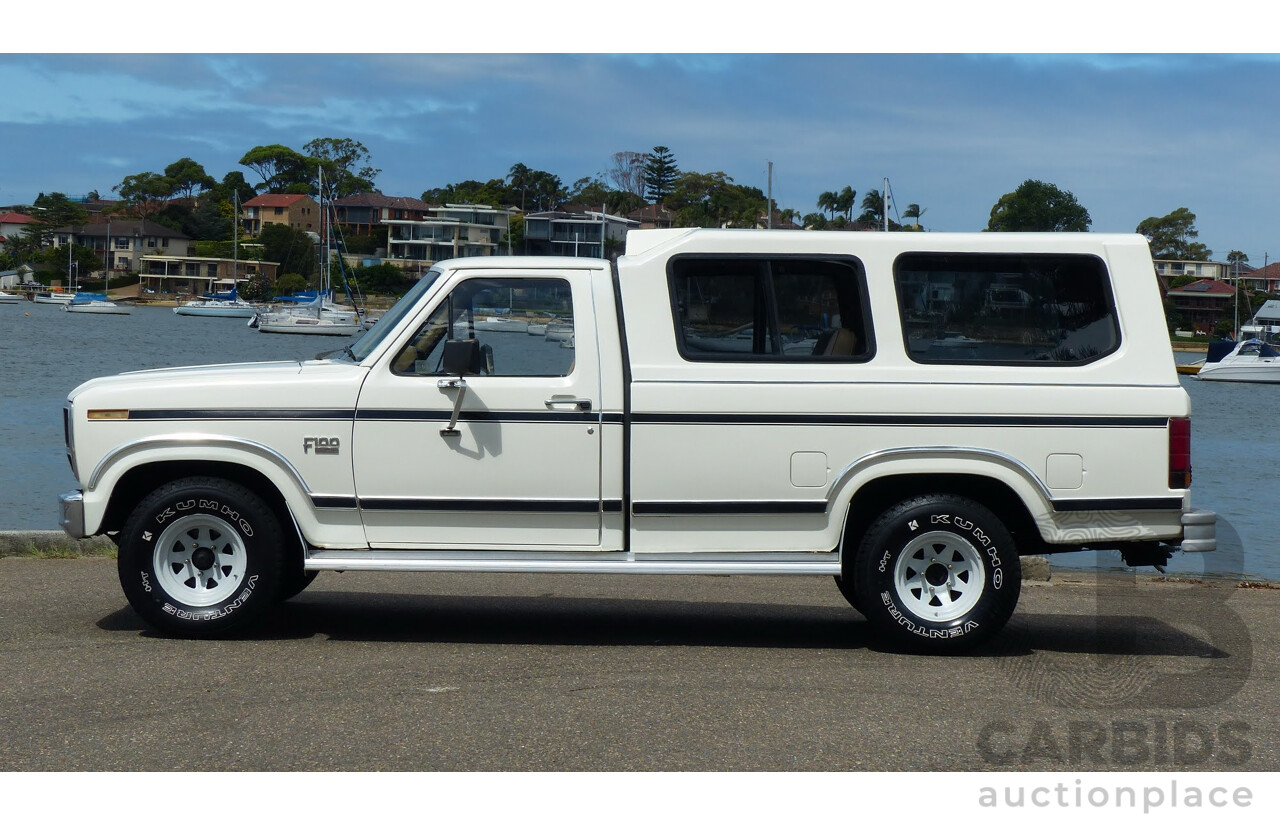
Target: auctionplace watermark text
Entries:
(1164, 795)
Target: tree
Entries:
(913, 210)
(1235, 256)
(210, 220)
(620, 203)
(546, 191)
(280, 167)
(1036, 206)
(844, 202)
(660, 173)
(186, 177)
(712, 199)
(518, 177)
(538, 190)
(872, 208)
(382, 278)
(55, 210)
(234, 187)
(346, 166)
(145, 192)
(256, 288)
(289, 283)
(827, 202)
(1171, 236)
(490, 193)
(588, 192)
(292, 248)
(627, 173)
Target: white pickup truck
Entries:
(906, 412)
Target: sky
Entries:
(1132, 133)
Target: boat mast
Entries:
(768, 201)
(324, 222)
(235, 242)
(1235, 329)
(884, 204)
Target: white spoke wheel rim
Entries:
(939, 576)
(200, 560)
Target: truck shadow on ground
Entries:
(567, 621)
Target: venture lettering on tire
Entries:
(199, 556)
(938, 572)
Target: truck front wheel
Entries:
(937, 573)
(199, 556)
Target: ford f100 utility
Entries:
(906, 412)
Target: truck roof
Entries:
(641, 242)
(524, 262)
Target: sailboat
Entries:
(95, 303)
(53, 297)
(218, 305)
(226, 304)
(321, 316)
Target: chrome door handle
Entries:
(582, 404)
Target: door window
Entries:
(524, 326)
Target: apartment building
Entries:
(296, 211)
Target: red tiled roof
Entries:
(1268, 271)
(651, 212)
(275, 200)
(16, 217)
(1204, 286)
(377, 199)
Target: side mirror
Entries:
(462, 357)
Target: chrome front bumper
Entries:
(1199, 531)
(72, 522)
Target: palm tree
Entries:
(519, 178)
(844, 202)
(913, 210)
(872, 208)
(829, 202)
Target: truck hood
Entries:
(265, 385)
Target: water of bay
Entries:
(46, 352)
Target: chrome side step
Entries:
(707, 564)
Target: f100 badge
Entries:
(321, 446)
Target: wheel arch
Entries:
(140, 479)
(999, 483)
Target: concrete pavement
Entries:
(541, 672)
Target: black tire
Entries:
(937, 573)
(200, 556)
(294, 583)
(850, 593)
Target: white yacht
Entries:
(95, 303)
(1250, 361)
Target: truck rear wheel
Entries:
(199, 556)
(937, 573)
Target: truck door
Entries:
(520, 466)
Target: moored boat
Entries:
(57, 298)
(95, 303)
(1249, 361)
(308, 324)
(228, 305)
(10, 298)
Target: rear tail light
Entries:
(1179, 453)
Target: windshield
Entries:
(368, 342)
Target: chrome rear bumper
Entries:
(1199, 531)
